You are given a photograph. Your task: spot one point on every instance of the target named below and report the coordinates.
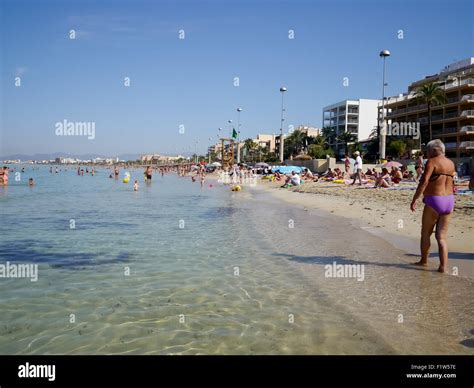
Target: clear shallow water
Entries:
(190, 273)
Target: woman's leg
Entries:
(427, 225)
(441, 237)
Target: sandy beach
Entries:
(385, 213)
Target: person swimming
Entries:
(135, 186)
(31, 182)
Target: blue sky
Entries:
(190, 82)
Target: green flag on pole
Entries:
(234, 133)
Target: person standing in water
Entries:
(148, 172)
(437, 187)
(4, 176)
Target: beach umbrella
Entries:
(217, 164)
(262, 165)
(412, 168)
(392, 164)
(287, 169)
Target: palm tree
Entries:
(250, 145)
(296, 141)
(328, 133)
(320, 140)
(346, 138)
(261, 152)
(430, 93)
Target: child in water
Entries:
(135, 186)
(31, 182)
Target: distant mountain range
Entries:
(66, 155)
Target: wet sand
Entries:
(414, 310)
(385, 213)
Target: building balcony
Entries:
(451, 115)
(450, 130)
(467, 98)
(417, 107)
(468, 81)
(397, 112)
(452, 100)
(450, 146)
(467, 113)
(468, 129)
(467, 145)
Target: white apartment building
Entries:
(358, 117)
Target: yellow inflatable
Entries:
(126, 177)
(339, 181)
(236, 188)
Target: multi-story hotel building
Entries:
(451, 121)
(358, 117)
(309, 131)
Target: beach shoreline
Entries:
(385, 214)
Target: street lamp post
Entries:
(196, 149)
(238, 134)
(282, 91)
(382, 133)
(230, 128)
(209, 150)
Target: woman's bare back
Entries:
(441, 181)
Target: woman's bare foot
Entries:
(441, 269)
(421, 263)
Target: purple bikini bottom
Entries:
(441, 204)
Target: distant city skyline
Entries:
(162, 77)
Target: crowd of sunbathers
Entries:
(384, 178)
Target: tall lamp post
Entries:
(382, 132)
(238, 134)
(282, 91)
(230, 128)
(196, 149)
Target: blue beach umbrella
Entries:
(287, 169)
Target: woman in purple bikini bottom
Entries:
(437, 187)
